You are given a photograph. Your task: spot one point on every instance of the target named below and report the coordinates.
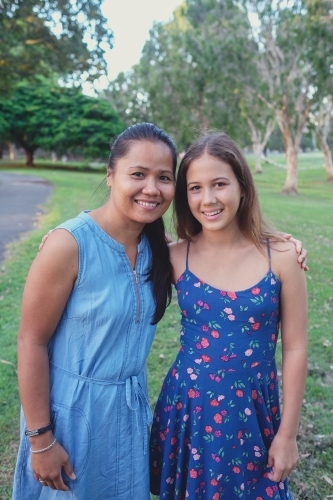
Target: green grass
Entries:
(307, 216)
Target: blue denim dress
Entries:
(98, 386)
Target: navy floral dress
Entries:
(218, 410)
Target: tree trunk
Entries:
(29, 156)
(257, 150)
(328, 157)
(290, 185)
(11, 151)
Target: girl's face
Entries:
(142, 182)
(213, 193)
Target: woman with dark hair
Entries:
(218, 431)
(90, 306)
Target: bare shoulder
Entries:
(284, 259)
(60, 250)
(178, 257)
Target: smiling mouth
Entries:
(215, 212)
(147, 204)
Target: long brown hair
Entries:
(249, 215)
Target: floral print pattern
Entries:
(218, 410)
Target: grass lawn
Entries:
(307, 216)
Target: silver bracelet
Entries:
(44, 449)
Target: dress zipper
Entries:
(136, 281)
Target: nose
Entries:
(151, 187)
(208, 197)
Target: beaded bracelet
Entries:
(44, 449)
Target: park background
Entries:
(262, 71)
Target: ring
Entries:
(41, 481)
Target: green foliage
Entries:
(57, 118)
(46, 36)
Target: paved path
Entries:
(20, 200)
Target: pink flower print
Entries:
(233, 355)
(272, 375)
(256, 363)
(200, 303)
(273, 282)
(220, 397)
(254, 394)
(170, 480)
(206, 359)
(191, 393)
(259, 498)
(224, 358)
(197, 284)
(239, 393)
(255, 291)
(247, 411)
(204, 328)
(232, 295)
(259, 375)
(240, 434)
(248, 352)
(281, 485)
(173, 440)
(215, 457)
(231, 317)
(218, 418)
(184, 313)
(223, 293)
(236, 469)
(179, 405)
(273, 300)
(193, 473)
(217, 379)
(250, 466)
(185, 417)
(213, 482)
(218, 434)
(269, 492)
(215, 334)
(198, 345)
(193, 376)
(208, 429)
(271, 386)
(206, 306)
(224, 413)
(273, 337)
(204, 342)
(171, 456)
(227, 310)
(267, 432)
(216, 496)
(198, 361)
(197, 394)
(196, 456)
(251, 320)
(189, 370)
(162, 437)
(214, 402)
(193, 451)
(274, 409)
(212, 376)
(256, 326)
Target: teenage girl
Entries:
(218, 431)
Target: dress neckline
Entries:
(256, 285)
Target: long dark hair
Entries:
(161, 271)
(249, 215)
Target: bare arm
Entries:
(283, 453)
(48, 286)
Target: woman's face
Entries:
(142, 182)
(213, 193)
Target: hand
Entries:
(47, 467)
(44, 239)
(302, 252)
(282, 458)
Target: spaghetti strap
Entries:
(269, 255)
(187, 251)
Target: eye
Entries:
(220, 184)
(194, 188)
(166, 178)
(140, 175)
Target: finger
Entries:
(286, 236)
(276, 475)
(69, 470)
(58, 484)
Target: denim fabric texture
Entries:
(98, 385)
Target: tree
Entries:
(289, 57)
(57, 118)
(46, 36)
(323, 118)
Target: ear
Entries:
(108, 177)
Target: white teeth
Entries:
(146, 204)
(210, 214)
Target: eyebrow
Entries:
(147, 169)
(212, 180)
